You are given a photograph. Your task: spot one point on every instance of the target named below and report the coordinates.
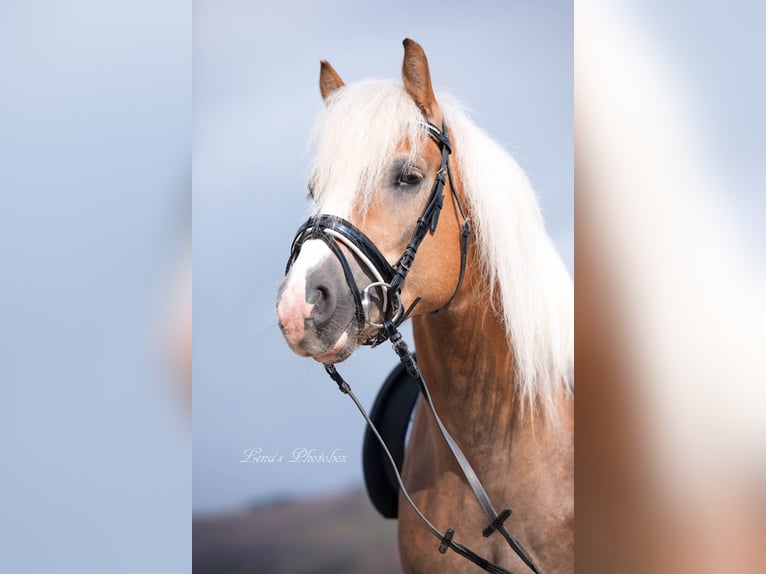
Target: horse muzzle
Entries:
(316, 308)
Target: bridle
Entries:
(389, 279)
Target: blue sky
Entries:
(95, 130)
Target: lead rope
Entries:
(497, 520)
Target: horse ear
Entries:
(417, 79)
(329, 80)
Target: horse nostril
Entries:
(323, 299)
(317, 294)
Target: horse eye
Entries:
(310, 188)
(409, 178)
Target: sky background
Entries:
(95, 131)
(255, 97)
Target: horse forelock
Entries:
(355, 138)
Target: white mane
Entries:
(529, 286)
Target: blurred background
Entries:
(256, 94)
(671, 313)
(95, 198)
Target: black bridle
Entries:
(333, 230)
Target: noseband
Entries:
(388, 282)
(389, 279)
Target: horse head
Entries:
(381, 165)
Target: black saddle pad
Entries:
(391, 413)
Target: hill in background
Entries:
(340, 534)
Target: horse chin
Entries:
(340, 351)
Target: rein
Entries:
(389, 280)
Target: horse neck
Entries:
(467, 362)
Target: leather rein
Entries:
(388, 283)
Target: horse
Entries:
(492, 317)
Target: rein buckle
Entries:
(496, 523)
(446, 540)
